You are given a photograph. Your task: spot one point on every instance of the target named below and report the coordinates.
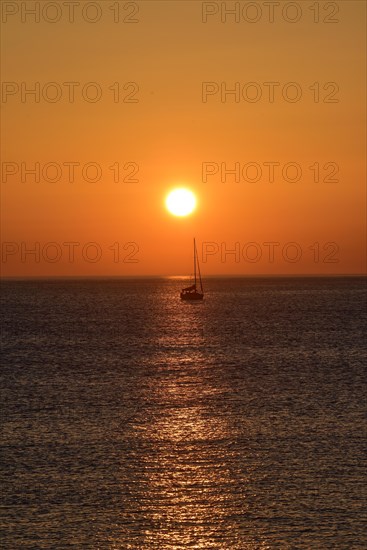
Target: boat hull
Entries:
(191, 296)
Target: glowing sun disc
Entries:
(181, 202)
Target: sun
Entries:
(181, 202)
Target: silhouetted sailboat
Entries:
(191, 292)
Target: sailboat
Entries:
(191, 292)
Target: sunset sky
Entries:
(163, 132)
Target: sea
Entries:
(132, 420)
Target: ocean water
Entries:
(131, 420)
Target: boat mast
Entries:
(194, 263)
(201, 284)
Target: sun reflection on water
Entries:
(192, 492)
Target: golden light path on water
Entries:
(191, 471)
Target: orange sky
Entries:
(170, 132)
